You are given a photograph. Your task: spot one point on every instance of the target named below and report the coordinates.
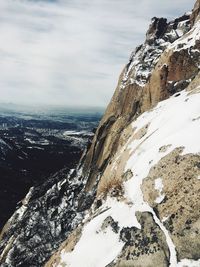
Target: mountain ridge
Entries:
(133, 200)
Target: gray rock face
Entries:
(39, 227)
(147, 245)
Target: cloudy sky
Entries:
(71, 52)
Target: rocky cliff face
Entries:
(134, 199)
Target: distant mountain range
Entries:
(49, 109)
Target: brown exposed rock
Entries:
(195, 84)
(181, 189)
(114, 172)
(195, 12)
(182, 66)
(128, 103)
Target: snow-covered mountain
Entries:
(134, 198)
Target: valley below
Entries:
(36, 144)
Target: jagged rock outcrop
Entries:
(134, 199)
(155, 71)
(195, 13)
(41, 223)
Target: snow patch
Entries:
(171, 246)
(188, 263)
(188, 40)
(159, 187)
(100, 246)
(170, 122)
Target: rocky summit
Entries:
(134, 199)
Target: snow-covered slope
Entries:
(134, 199)
(173, 126)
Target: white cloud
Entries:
(71, 52)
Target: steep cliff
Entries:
(134, 199)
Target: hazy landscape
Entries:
(37, 142)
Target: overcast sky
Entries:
(71, 52)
